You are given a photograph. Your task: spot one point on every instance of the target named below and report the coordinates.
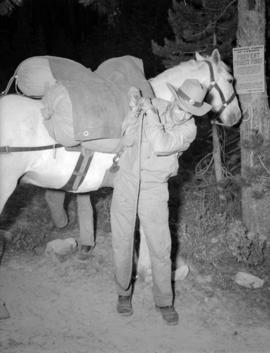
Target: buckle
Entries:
(5, 149)
(116, 158)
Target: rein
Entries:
(10, 149)
(213, 85)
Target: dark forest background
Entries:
(68, 29)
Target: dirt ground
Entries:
(69, 306)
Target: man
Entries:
(55, 200)
(155, 133)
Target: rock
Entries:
(61, 247)
(248, 280)
(181, 271)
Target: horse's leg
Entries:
(9, 177)
(55, 201)
(144, 269)
(86, 219)
(86, 225)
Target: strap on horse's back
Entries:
(10, 149)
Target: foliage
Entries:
(109, 8)
(137, 24)
(199, 26)
(258, 176)
(201, 221)
(7, 6)
(230, 153)
(246, 247)
(33, 224)
(210, 234)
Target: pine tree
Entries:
(199, 25)
(7, 6)
(255, 128)
(202, 25)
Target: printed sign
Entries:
(248, 68)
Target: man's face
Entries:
(177, 114)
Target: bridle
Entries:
(213, 85)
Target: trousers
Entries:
(151, 206)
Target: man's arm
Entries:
(166, 141)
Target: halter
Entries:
(213, 85)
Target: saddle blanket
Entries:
(92, 105)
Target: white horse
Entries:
(21, 125)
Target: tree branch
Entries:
(212, 24)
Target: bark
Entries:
(217, 153)
(218, 164)
(256, 117)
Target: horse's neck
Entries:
(176, 76)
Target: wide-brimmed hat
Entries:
(190, 95)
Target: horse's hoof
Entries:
(85, 252)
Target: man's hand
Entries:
(146, 105)
(134, 96)
(178, 115)
(150, 111)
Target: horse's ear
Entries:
(198, 56)
(215, 56)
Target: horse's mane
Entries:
(221, 66)
(190, 65)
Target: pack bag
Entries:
(36, 74)
(90, 108)
(81, 105)
(58, 115)
(83, 110)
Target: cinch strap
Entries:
(79, 172)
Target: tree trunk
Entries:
(218, 165)
(217, 152)
(256, 122)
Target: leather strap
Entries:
(79, 172)
(10, 149)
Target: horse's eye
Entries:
(230, 80)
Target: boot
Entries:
(124, 306)
(169, 314)
(85, 252)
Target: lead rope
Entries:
(10, 82)
(138, 185)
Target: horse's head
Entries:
(221, 93)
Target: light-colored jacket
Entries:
(153, 142)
